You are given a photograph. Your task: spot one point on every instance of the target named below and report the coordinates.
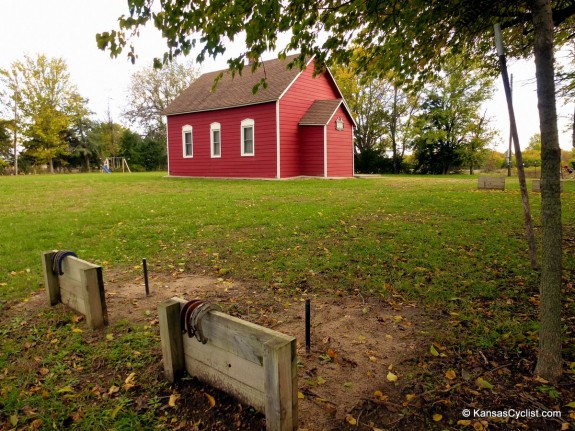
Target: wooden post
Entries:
(81, 287)
(50, 279)
(280, 385)
(171, 339)
(94, 297)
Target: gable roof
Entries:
(320, 112)
(235, 91)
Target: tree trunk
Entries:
(549, 363)
(51, 164)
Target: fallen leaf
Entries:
(373, 359)
(437, 417)
(211, 400)
(450, 374)
(433, 350)
(65, 389)
(484, 384)
(464, 422)
(320, 380)
(13, 420)
(77, 330)
(113, 389)
(173, 399)
(571, 404)
(116, 411)
(391, 377)
(129, 382)
(36, 424)
(350, 420)
(565, 426)
(410, 397)
(300, 396)
(347, 385)
(109, 337)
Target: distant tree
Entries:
(451, 130)
(5, 145)
(142, 153)
(534, 142)
(151, 90)
(130, 147)
(48, 103)
(153, 154)
(102, 140)
(493, 160)
(480, 137)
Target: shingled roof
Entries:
(320, 112)
(235, 91)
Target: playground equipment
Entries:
(112, 164)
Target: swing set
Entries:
(113, 164)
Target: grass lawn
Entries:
(458, 252)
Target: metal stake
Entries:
(307, 325)
(145, 266)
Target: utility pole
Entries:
(510, 152)
(16, 132)
(518, 156)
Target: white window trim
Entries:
(248, 122)
(215, 127)
(187, 129)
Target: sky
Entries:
(67, 29)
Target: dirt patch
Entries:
(358, 344)
(355, 342)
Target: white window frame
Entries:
(187, 129)
(247, 124)
(215, 127)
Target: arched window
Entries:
(187, 142)
(216, 139)
(248, 144)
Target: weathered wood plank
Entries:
(171, 339)
(491, 183)
(241, 391)
(73, 268)
(50, 279)
(72, 296)
(243, 338)
(227, 363)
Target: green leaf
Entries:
(484, 384)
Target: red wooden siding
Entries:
(312, 145)
(340, 146)
(231, 163)
(293, 105)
